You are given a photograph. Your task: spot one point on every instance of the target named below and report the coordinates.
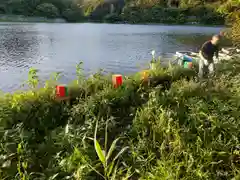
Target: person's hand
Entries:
(205, 62)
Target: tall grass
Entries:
(171, 127)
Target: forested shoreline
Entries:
(158, 11)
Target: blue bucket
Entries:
(187, 58)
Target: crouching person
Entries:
(208, 50)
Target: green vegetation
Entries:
(67, 9)
(170, 128)
(131, 11)
(210, 12)
(160, 14)
(231, 9)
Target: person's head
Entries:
(215, 39)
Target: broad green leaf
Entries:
(114, 172)
(99, 152)
(122, 151)
(98, 147)
(110, 168)
(112, 148)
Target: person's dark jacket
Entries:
(208, 50)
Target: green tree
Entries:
(47, 10)
(23, 7)
(16, 6)
(231, 9)
(62, 5)
(191, 3)
(3, 9)
(73, 15)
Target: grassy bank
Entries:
(171, 128)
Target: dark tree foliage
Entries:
(67, 9)
(131, 11)
(231, 9)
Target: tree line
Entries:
(133, 11)
(68, 9)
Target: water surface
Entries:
(113, 47)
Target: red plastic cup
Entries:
(117, 80)
(61, 91)
(190, 65)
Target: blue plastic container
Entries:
(187, 58)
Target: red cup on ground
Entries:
(61, 91)
(190, 65)
(117, 80)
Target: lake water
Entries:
(113, 47)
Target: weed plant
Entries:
(171, 127)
